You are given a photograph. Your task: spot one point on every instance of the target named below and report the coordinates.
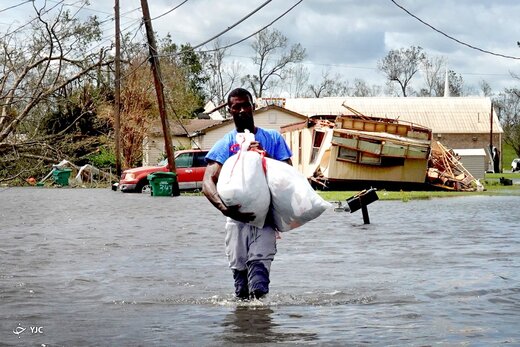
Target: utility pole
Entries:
(117, 106)
(491, 129)
(156, 70)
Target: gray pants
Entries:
(250, 251)
(246, 243)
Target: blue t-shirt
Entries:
(271, 140)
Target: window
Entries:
(369, 158)
(347, 154)
(317, 140)
(354, 156)
(184, 160)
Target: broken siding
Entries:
(305, 152)
(300, 142)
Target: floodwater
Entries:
(93, 267)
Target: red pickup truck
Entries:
(189, 164)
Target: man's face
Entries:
(241, 108)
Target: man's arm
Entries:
(209, 188)
(209, 185)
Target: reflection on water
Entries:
(96, 267)
(256, 324)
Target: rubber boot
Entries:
(258, 279)
(241, 288)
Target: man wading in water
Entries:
(250, 250)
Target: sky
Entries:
(347, 37)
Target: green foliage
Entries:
(71, 119)
(508, 105)
(52, 106)
(189, 61)
(508, 154)
(16, 172)
(104, 158)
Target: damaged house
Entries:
(392, 142)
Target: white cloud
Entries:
(344, 36)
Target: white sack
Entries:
(242, 182)
(293, 201)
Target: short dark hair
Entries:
(239, 92)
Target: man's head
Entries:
(240, 106)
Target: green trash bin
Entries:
(162, 183)
(61, 176)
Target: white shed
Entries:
(474, 160)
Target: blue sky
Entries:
(343, 36)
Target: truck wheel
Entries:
(143, 186)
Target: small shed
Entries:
(474, 160)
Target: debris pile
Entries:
(447, 172)
(86, 174)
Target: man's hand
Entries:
(255, 145)
(234, 213)
(209, 188)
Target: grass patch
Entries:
(494, 188)
(388, 195)
(497, 176)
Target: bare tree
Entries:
(485, 88)
(296, 82)
(401, 65)
(361, 88)
(36, 65)
(272, 60)
(222, 77)
(433, 69)
(329, 86)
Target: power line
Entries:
(74, 5)
(234, 25)
(79, 8)
(253, 34)
(111, 16)
(453, 38)
(11, 7)
(173, 9)
(32, 20)
(134, 21)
